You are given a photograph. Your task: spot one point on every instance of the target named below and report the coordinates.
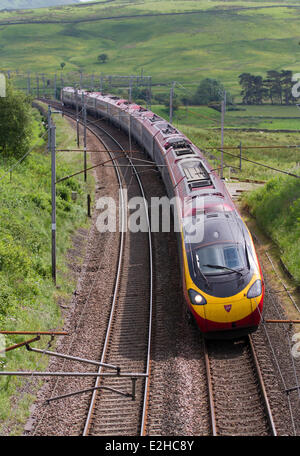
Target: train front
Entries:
(223, 287)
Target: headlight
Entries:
(255, 290)
(196, 298)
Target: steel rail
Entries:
(116, 288)
(146, 390)
(210, 391)
(263, 389)
(147, 373)
(118, 275)
(265, 399)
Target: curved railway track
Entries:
(127, 345)
(236, 389)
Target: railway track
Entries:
(236, 389)
(118, 403)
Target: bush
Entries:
(277, 209)
(15, 123)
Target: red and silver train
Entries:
(222, 280)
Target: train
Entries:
(222, 280)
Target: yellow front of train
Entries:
(222, 280)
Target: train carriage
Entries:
(223, 286)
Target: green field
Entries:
(219, 39)
(244, 117)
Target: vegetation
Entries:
(209, 91)
(276, 208)
(276, 88)
(15, 123)
(249, 37)
(102, 58)
(28, 299)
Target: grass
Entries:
(220, 40)
(28, 298)
(276, 208)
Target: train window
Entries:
(218, 258)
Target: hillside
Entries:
(24, 4)
(161, 38)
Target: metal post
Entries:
(130, 90)
(240, 147)
(89, 205)
(171, 101)
(44, 85)
(222, 131)
(84, 140)
(77, 119)
(149, 93)
(52, 145)
(55, 87)
(129, 133)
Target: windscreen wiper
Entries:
(218, 266)
(247, 256)
(201, 273)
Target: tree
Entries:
(210, 90)
(15, 123)
(103, 58)
(287, 84)
(275, 86)
(254, 89)
(62, 65)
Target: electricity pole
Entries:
(171, 101)
(77, 119)
(55, 80)
(130, 90)
(223, 104)
(52, 148)
(84, 140)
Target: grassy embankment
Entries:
(276, 208)
(28, 298)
